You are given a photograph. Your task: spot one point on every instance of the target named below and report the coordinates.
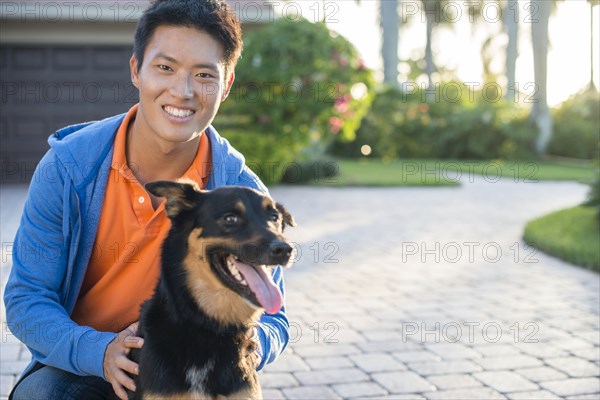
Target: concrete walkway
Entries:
(415, 293)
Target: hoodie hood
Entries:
(83, 148)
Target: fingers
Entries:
(119, 391)
(124, 380)
(133, 342)
(126, 364)
(117, 364)
(119, 379)
(133, 328)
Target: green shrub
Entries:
(577, 127)
(264, 153)
(571, 234)
(405, 125)
(298, 85)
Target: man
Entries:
(87, 250)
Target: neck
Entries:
(151, 159)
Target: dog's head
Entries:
(235, 238)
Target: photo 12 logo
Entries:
(471, 332)
(71, 11)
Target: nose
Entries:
(182, 88)
(280, 252)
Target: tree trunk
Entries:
(390, 26)
(592, 86)
(511, 25)
(429, 65)
(540, 112)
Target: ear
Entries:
(180, 196)
(287, 217)
(133, 68)
(228, 85)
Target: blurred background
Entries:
(394, 130)
(323, 77)
(341, 93)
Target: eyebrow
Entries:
(210, 66)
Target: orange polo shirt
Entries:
(125, 262)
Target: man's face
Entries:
(181, 82)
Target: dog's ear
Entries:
(287, 217)
(181, 196)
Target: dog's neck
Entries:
(185, 308)
(206, 302)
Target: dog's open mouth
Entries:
(253, 282)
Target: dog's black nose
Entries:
(280, 252)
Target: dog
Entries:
(216, 281)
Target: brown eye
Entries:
(230, 219)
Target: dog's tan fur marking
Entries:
(267, 202)
(253, 393)
(217, 300)
(240, 207)
(182, 396)
(190, 182)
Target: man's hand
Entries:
(254, 351)
(116, 361)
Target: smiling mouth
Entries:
(252, 282)
(178, 112)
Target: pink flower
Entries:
(335, 124)
(342, 103)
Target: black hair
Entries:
(214, 17)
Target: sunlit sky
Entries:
(458, 48)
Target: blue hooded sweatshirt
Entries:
(56, 235)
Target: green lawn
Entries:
(572, 235)
(372, 172)
(379, 173)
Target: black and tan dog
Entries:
(215, 283)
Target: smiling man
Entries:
(86, 254)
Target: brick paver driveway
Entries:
(415, 293)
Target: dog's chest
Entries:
(198, 377)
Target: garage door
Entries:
(46, 88)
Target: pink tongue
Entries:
(261, 283)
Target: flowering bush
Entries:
(298, 85)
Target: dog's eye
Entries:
(230, 218)
(275, 217)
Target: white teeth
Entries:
(234, 271)
(176, 112)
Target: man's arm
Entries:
(273, 329)
(39, 279)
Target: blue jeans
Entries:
(55, 384)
